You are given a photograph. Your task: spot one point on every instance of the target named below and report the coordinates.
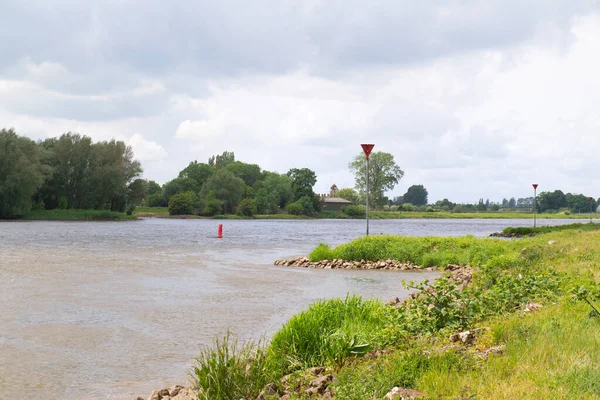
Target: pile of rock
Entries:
(304, 262)
(176, 392)
(510, 235)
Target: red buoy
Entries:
(220, 234)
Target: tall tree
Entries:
(221, 160)
(21, 173)
(249, 173)
(349, 194)
(416, 195)
(384, 174)
(227, 187)
(303, 180)
(198, 172)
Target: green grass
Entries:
(77, 215)
(549, 354)
(523, 231)
(325, 332)
(475, 215)
(423, 251)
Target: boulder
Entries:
(319, 385)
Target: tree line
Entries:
(66, 172)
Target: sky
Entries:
(474, 99)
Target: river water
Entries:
(113, 310)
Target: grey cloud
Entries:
(231, 37)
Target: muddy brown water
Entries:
(113, 310)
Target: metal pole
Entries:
(367, 196)
(590, 210)
(534, 204)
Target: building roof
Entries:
(336, 200)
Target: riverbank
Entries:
(77, 215)
(163, 212)
(494, 335)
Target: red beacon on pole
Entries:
(367, 149)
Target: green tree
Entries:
(249, 173)
(273, 193)
(384, 174)
(227, 187)
(303, 180)
(198, 173)
(183, 203)
(178, 185)
(137, 191)
(221, 160)
(416, 195)
(247, 207)
(349, 194)
(153, 188)
(21, 173)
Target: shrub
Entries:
(247, 207)
(183, 203)
(354, 211)
(294, 208)
(321, 252)
(229, 370)
(408, 207)
(63, 203)
(303, 206)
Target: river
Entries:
(113, 310)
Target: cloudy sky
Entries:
(473, 98)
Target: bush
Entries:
(247, 207)
(63, 203)
(354, 211)
(303, 206)
(294, 208)
(408, 207)
(429, 209)
(231, 371)
(130, 210)
(183, 203)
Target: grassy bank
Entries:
(163, 212)
(523, 231)
(77, 215)
(550, 353)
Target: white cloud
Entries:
(146, 150)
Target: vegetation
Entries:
(70, 172)
(77, 215)
(524, 231)
(384, 175)
(546, 354)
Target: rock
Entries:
(269, 390)
(466, 337)
(319, 385)
(186, 394)
(532, 307)
(552, 242)
(403, 394)
(140, 398)
(492, 350)
(174, 391)
(155, 395)
(316, 370)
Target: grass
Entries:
(77, 215)
(423, 251)
(551, 353)
(523, 231)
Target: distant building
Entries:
(331, 202)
